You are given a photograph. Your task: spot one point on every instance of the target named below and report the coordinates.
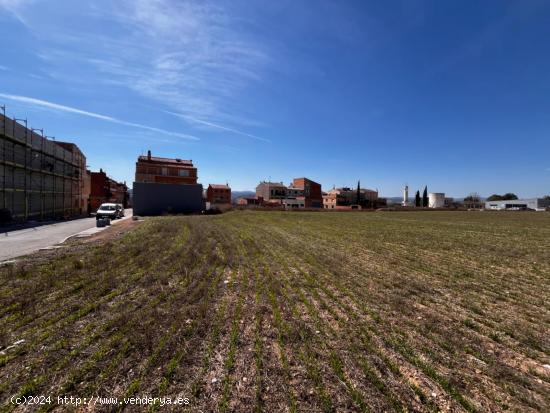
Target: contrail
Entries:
(63, 108)
(192, 119)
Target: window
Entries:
(183, 172)
(164, 171)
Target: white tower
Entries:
(405, 196)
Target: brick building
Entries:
(301, 193)
(87, 191)
(271, 191)
(119, 192)
(310, 190)
(346, 198)
(246, 201)
(218, 194)
(166, 185)
(165, 170)
(105, 189)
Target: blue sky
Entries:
(450, 94)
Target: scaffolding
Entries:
(40, 178)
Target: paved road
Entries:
(26, 241)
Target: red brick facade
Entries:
(250, 201)
(105, 189)
(218, 194)
(165, 170)
(312, 192)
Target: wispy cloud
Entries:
(191, 57)
(55, 106)
(3, 67)
(199, 60)
(217, 126)
(15, 7)
(13, 4)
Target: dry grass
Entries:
(273, 311)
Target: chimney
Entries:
(149, 155)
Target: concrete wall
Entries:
(157, 199)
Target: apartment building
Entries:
(346, 198)
(166, 185)
(218, 194)
(104, 189)
(154, 169)
(301, 193)
(271, 191)
(39, 178)
(309, 190)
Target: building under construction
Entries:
(39, 178)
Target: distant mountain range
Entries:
(242, 194)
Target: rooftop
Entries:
(273, 183)
(503, 201)
(158, 159)
(339, 190)
(219, 186)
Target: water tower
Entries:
(436, 200)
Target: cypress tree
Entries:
(425, 197)
(358, 200)
(417, 199)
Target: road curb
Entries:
(99, 229)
